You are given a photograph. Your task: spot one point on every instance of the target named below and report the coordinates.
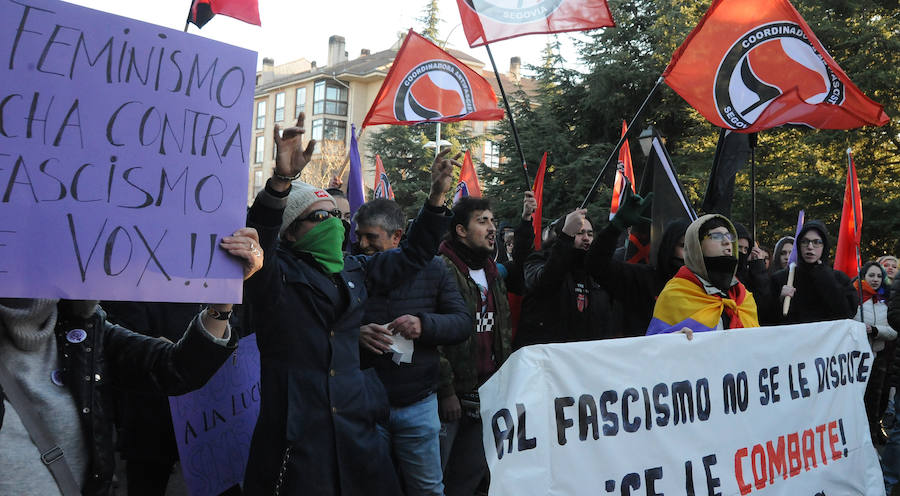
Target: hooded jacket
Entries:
(822, 293)
(690, 300)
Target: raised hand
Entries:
(574, 221)
(290, 158)
(442, 176)
(529, 205)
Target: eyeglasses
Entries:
(813, 242)
(718, 236)
(321, 215)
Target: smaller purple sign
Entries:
(214, 425)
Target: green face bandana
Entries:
(324, 242)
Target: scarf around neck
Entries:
(28, 322)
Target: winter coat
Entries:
(316, 431)
(434, 297)
(111, 356)
(876, 315)
(459, 373)
(562, 302)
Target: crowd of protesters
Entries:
(372, 353)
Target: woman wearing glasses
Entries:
(705, 295)
(819, 293)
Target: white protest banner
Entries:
(767, 411)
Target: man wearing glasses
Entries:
(705, 295)
(316, 432)
(819, 293)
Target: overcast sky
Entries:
(292, 29)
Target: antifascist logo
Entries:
(433, 90)
(515, 11)
(382, 186)
(767, 62)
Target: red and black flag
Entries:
(382, 183)
(732, 152)
(487, 21)
(752, 65)
(427, 84)
(243, 10)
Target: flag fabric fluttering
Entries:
(382, 184)
(669, 203)
(487, 21)
(356, 195)
(468, 180)
(243, 10)
(539, 196)
(624, 175)
(751, 65)
(801, 219)
(846, 257)
(732, 152)
(427, 84)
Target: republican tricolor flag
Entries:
(382, 184)
(487, 21)
(468, 180)
(752, 65)
(427, 84)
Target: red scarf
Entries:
(867, 292)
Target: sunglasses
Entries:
(321, 215)
(717, 236)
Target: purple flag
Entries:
(355, 193)
(792, 259)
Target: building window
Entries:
(257, 181)
(329, 98)
(329, 129)
(491, 154)
(260, 149)
(279, 107)
(300, 105)
(261, 114)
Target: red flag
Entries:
(845, 258)
(624, 171)
(427, 84)
(751, 65)
(382, 184)
(486, 21)
(468, 180)
(204, 10)
(539, 196)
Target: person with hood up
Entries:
(705, 295)
(819, 292)
(781, 254)
(635, 287)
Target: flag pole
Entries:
(615, 150)
(188, 21)
(512, 121)
(856, 229)
(753, 140)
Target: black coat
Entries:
(316, 432)
(822, 294)
(112, 356)
(434, 297)
(562, 302)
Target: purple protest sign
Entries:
(123, 157)
(214, 425)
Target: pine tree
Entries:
(431, 21)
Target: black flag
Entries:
(732, 152)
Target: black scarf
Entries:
(720, 271)
(474, 259)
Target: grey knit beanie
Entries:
(301, 197)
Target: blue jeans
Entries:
(413, 434)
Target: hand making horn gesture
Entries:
(290, 158)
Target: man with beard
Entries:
(705, 295)
(562, 301)
(429, 310)
(466, 366)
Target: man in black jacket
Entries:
(429, 311)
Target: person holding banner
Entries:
(819, 292)
(705, 295)
(316, 432)
(59, 360)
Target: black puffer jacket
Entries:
(562, 302)
(434, 297)
(112, 356)
(822, 292)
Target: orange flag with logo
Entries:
(624, 175)
(752, 65)
(382, 184)
(468, 180)
(427, 84)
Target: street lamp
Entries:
(646, 139)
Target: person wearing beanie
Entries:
(819, 293)
(705, 295)
(316, 432)
(66, 358)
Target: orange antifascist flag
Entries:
(751, 65)
(468, 180)
(382, 184)
(486, 21)
(849, 237)
(539, 196)
(624, 175)
(427, 84)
